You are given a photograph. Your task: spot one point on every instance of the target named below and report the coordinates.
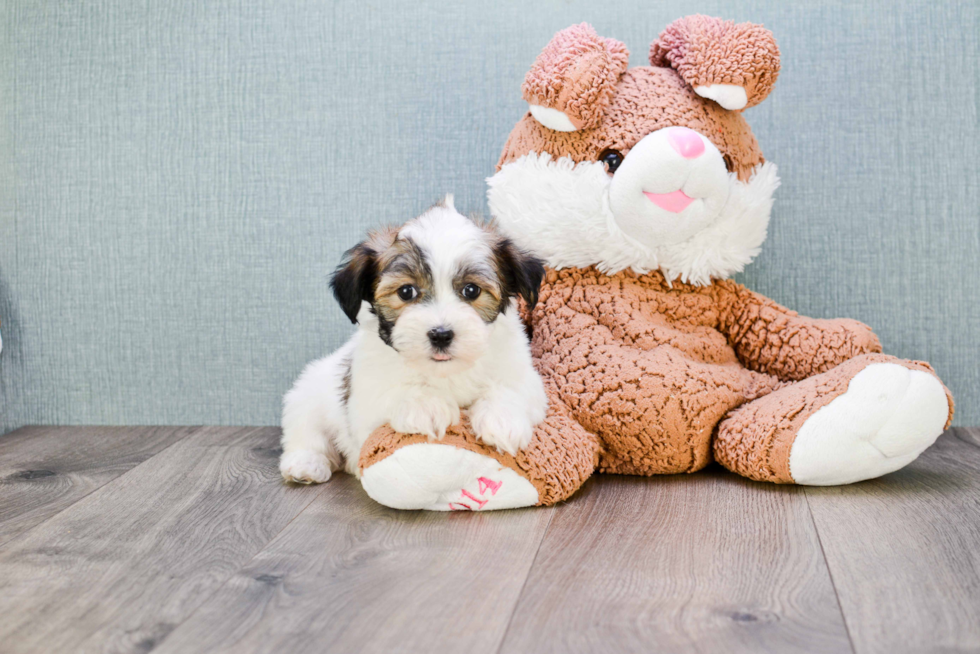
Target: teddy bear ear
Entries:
(574, 78)
(734, 65)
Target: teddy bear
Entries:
(644, 190)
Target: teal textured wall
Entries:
(178, 178)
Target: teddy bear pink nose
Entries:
(686, 142)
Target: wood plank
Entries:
(119, 569)
(691, 563)
(904, 551)
(970, 435)
(349, 575)
(43, 470)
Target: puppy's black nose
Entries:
(440, 337)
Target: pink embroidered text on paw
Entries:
(485, 483)
(480, 502)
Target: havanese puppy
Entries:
(438, 331)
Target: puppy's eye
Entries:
(471, 291)
(407, 293)
(612, 159)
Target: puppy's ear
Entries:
(353, 281)
(520, 272)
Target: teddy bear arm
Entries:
(775, 340)
(411, 471)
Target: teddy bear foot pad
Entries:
(438, 477)
(887, 417)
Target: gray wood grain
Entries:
(46, 469)
(119, 569)
(707, 563)
(184, 540)
(349, 575)
(969, 435)
(904, 551)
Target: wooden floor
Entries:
(185, 540)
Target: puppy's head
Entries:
(436, 286)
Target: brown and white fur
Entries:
(438, 331)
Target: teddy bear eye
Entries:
(612, 159)
(407, 293)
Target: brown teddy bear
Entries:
(644, 190)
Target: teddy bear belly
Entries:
(654, 411)
(642, 365)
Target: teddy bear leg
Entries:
(654, 411)
(461, 473)
(869, 416)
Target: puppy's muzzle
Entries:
(440, 337)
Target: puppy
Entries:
(439, 331)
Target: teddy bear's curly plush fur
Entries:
(644, 189)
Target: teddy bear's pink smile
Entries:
(674, 202)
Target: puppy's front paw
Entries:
(431, 416)
(304, 467)
(498, 425)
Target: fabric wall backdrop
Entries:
(177, 179)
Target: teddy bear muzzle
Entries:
(672, 184)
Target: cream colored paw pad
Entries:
(437, 477)
(886, 418)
